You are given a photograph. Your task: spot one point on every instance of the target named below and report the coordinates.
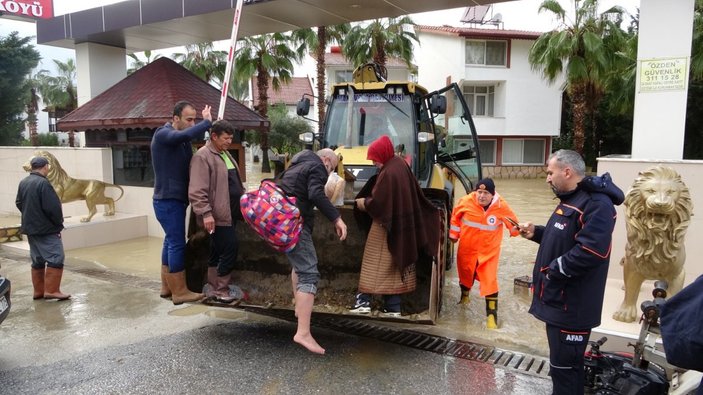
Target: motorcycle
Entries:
(644, 372)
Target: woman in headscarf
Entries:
(405, 224)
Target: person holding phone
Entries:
(477, 224)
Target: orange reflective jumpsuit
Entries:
(480, 233)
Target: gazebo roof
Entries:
(145, 99)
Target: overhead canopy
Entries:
(140, 25)
(145, 99)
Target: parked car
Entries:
(5, 302)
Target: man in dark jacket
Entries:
(305, 179)
(572, 261)
(42, 222)
(171, 152)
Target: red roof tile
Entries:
(470, 32)
(146, 98)
(289, 94)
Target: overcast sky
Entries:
(516, 15)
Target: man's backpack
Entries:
(272, 215)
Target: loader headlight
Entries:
(307, 137)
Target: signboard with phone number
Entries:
(665, 74)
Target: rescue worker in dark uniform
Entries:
(572, 261)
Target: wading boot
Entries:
(179, 291)
(38, 283)
(491, 312)
(52, 284)
(464, 300)
(165, 290)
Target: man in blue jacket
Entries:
(305, 179)
(171, 152)
(42, 222)
(572, 261)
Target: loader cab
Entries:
(426, 130)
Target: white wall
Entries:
(84, 163)
(98, 67)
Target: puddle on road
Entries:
(195, 309)
(192, 309)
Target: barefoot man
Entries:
(305, 179)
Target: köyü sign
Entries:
(663, 74)
(35, 9)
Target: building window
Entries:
(523, 151)
(487, 148)
(343, 76)
(132, 165)
(480, 99)
(488, 53)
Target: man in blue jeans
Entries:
(171, 152)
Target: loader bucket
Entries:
(265, 273)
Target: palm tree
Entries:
(204, 61)
(317, 43)
(138, 63)
(379, 40)
(270, 58)
(60, 92)
(583, 50)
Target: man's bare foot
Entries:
(309, 342)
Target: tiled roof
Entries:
(469, 32)
(145, 99)
(289, 94)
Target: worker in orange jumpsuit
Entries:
(477, 223)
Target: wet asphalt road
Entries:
(118, 337)
(258, 358)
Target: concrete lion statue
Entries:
(72, 189)
(658, 210)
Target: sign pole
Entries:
(230, 59)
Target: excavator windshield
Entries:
(367, 116)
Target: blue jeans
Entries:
(171, 214)
(303, 258)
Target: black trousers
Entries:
(224, 248)
(566, 349)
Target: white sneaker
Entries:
(390, 314)
(360, 309)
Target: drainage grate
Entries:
(523, 363)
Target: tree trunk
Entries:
(262, 83)
(32, 107)
(579, 114)
(322, 46)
